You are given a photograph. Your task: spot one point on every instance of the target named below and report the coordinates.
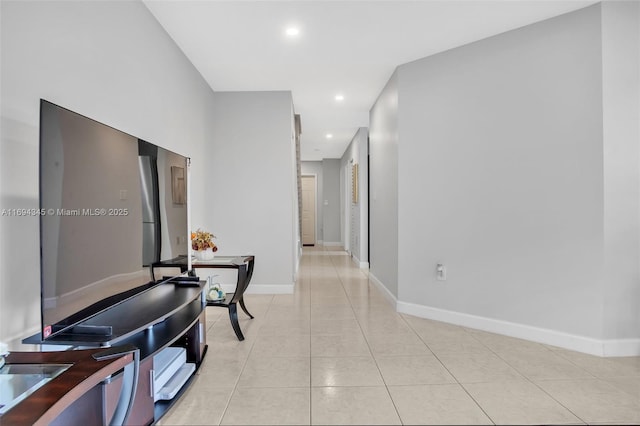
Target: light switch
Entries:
(326, 202)
(123, 194)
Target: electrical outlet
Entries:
(441, 272)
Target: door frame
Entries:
(346, 199)
(315, 213)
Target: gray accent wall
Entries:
(252, 184)
(383, 179)
(327, 174)
(331, 201)
(501, 176)
(514, 162)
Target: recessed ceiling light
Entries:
(292, 32)
(329, 136)
(339, 97)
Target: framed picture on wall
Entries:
(178, 185)
(354, 184)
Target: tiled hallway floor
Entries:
(336, 352)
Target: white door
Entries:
(308, 210)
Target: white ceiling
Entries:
(348, 47)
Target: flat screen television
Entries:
(111, 204)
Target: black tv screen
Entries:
(110, 205)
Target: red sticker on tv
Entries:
(46, 331)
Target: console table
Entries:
(244, 266)
(228, 262)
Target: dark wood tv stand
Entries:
(164, 315)
(67, 398)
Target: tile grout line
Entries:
(490, 349)
(235, 386)
(386, 387)
(449, 371)
(310, 358)
(535, 384)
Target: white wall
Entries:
(110, 61)
(356, 153)
(504, 175)
(250, 181)
(621, 125)
(383, 178)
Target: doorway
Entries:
(309, 210)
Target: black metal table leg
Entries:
(233, 316)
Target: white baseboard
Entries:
(262, 288)
(385, 292)
(609, 348)
(332, 244)
(361, 265)
(603, 348)
(622, 347)
(296, 269)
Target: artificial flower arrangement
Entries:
(215, 292)
(202, 240)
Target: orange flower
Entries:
(201, 240)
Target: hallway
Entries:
(336, 352)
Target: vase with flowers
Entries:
(203, 245)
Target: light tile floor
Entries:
(336, 352)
